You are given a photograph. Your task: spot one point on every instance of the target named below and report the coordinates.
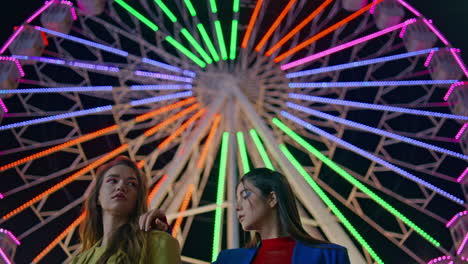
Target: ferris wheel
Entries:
(362, 105)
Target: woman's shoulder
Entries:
(327, 253)
(329, 246)
(235, 255)
(160, 237)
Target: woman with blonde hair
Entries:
(110, 232)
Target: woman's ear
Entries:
(272, 200)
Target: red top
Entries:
(275, 251)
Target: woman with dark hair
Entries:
(110, 232)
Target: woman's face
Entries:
(118, 192)
(252, 208)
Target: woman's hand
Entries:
(154, 219)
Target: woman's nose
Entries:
(121, 186)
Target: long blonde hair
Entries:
(127, 238)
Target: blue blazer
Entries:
(303, 254)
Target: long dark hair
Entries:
(268, 181)
(127, 237)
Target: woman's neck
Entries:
(271, 227)
(111, 223)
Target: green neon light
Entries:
(243, 152)
(190, 8)
(330, 204)
(235, 8)
(354, 182)
(185, 51)
(232, 54)
(208, 41)
(261, 149)
(214, 8)
(140, 17)
(197, 46)
(220, 195)
(222, 45)
(166, 10)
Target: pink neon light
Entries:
(429, 58)
(410, 8)
(1, 196)
(439, 259)
(5, 109)
(462, 245)
(464, 173)
(452, 88)
(18, 65)
(451, 262)
(372, 10)
(455, 217)
(73, 13)
(38, 12)
(345, 46)
(4, 256)
(10, 40)
(459, 61)
(10, 235)
(462, 130)
(403, 31)
(437, 32)
(72, 9)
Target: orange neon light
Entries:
(164, 109)
(252, 21)
(326, 31)
(298, 27)
(68, 180)
(275, 25)
(141, 163)
(208, 142)
(183, 208)
(73, 225)
(156, 188)
(181, 129)
(171, 119)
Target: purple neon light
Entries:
(161, 87)
(367, 154)
(18, 65)
(459, 60)
(373, 106)
(39, 11)
(58, 90)
(403, 31)
(369, 83)
(84, 41)
(57, 117)
(455, 217)
(410, 8)
(168, 67)
(346, 45)
(462, 130)
(429, 58)
(10, 40)
(452, 88)
(437, 32)
(78, 64)
(2, 104)
(379, 131)
(462, 176)
(463, 244)
(4, 257)
(161, 98)
(163, 76)
(13, 237)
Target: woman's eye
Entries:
(133, 184)
(112, 180)
(246, 195)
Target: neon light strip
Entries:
(190, 7)
(462, 245)
(185, 51)
(462, 130)
(68, 180)
(214, 8)
(84, 41)
(170, 120)
(181, 129)
(251, 24)
(78, 64)
(222, 44)
(455, 217)
(163, 76)
(378, 131)
(373, 106)
(459, 60)
(372, 157)
(298, 27)
(220, 195)
(208, 41)
(429, 59)
(464, 173)
(443, 258)
(275, 25)
(168, 67)
(183, 208)
(354, 182)
(325, 32)
(1, 196)
(4, 257)
(57, 117)
(4, 107)
(138, 15)
(369, 84)
(234, 28)
(11, 39)
(197, 46)
(337, 48)
(156, 188)
(166, 10)
(403, 31)
(372, 10)
(452, 88)
(243, 152)
(410, 8)
(437, 32)
(359, 63)
(161, 98)
(329, 203)
(38, 12)
(165, 109)
(13, 237)
(261, 149)
(97, 89)
(209, 141)
(57, 240)
(18, 65)
(160, 87)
